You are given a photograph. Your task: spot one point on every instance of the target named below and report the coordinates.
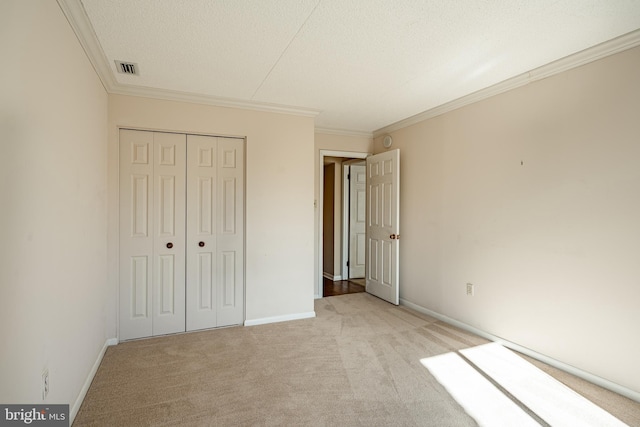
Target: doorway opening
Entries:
(340, 255)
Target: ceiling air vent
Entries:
(127, 68)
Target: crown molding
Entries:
(79, 21)
(602, 50)
(194, 98)
(344, 132)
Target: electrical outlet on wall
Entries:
(45, 383)
(470, 289)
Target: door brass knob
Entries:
(394, 236)
(169, 245)
(201, 244)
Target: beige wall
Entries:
(279, 201)
(533, 196)
(331, 143)
(53, 224)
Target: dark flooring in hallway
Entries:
(342, 287)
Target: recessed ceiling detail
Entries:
(362, 64)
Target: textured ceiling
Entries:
(363, 64)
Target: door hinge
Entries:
(347, 263)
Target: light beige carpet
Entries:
(356, 364)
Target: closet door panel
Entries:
(201, 236)
(169, 232)
(136, 234)
(230, 232)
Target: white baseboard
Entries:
(604, 383)
(331, 277)
(275, 319)
(73, 411)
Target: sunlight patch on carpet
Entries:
(472, 383)
(548, 398)
(479, 398)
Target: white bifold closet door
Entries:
(152, 238)
(181, 233)
(215, 232)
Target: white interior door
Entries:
(181, 233)
(383, 225)
(169, 240)
(357, 221)
(152, 262)
(230, 230)
(201, 233)
(136, 234)
(215, 232)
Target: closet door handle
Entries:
(169, 245)
(201, 244)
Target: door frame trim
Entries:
(319, 292)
